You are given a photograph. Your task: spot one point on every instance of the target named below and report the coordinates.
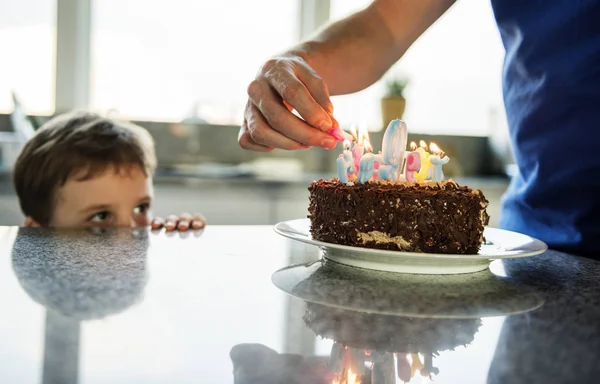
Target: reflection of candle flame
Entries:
(413, 146)
(423, 144)
(348, 377)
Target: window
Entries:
(454, 73)
(27, 38)
(184, 58)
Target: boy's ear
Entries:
(30, 222)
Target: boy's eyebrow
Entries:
(98, 207)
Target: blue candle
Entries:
(366, 167)
(342, 170)
(393, 145)
(437, 161)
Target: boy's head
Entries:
(81, 169)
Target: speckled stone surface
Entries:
(123, 307)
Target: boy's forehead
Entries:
(108, 185)
(99, 171)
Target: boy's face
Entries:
(114, 198)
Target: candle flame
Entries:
(363, 135)
(347, 144)
(353, 133)
(423, 144)
(413, 146)
(434, 148)
(349, 378)
(368, 146)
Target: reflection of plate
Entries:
(472, 295)
(500, 244)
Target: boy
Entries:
(82, 170)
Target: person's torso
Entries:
(551, 85)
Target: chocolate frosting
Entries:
(433, 217)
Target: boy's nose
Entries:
(126, 221)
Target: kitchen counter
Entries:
(133, 306)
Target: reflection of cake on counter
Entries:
(396, 200)
(383, 345)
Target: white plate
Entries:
(500, 244)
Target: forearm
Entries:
(355, 52)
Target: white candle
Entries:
(365, 170)
(345, 165)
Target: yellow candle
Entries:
(421, 176)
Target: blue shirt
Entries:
(551, 87)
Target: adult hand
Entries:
(284, 84)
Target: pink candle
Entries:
(357, 153)
(413, 164)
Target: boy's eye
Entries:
(100, 217)
(141, 209)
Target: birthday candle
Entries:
(345, 164)
(393, 145)
(437, 161)
(413, 163)
(365, 170)
(421, 176)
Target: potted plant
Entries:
(393, 103)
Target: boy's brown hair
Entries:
(74, 143)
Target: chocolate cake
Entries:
(431, 217)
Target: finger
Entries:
(316, 86)
(296, 94)
(245, 140)
(157, 223)
(275, 122)
(198, 221)
(184, 222)
(171, 223)
(262, 133)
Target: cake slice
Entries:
(431, 217)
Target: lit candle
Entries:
(365, 170)
(359, 149)
(345, 164)
(421, 176)
(393, 145)
(438, 159)
(413, 163)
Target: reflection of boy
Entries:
(82, 275)
(81, 169)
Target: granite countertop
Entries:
(125, 306)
